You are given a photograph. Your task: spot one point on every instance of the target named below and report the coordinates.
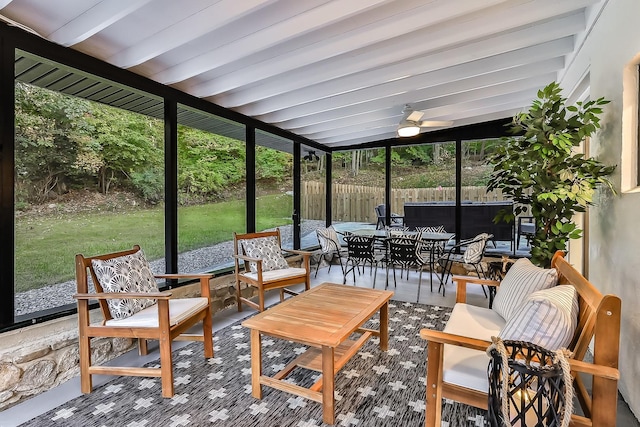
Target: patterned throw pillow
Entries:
(522, 279)
(267, 249)
(328, 239)
(475, 250)
(129, 273)
(547, 318)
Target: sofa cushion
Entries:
(128, 273)
(268, 250)
(466, 367)
(522, 279)
(474, 322)
(547, 318)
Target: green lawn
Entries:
(45, 247)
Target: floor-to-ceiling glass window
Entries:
(312, 195)
(423, 184)
(89, 177)
(211, 189)
(480, 206)
(358, 181)
(274, 185)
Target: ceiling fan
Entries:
(410, 124)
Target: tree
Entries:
(126, 143)
(51, 133)
(541, 171)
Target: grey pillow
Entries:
(268, 250)
(129, 273)
(522, 279)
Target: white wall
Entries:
(614, 225)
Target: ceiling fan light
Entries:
(407, 129)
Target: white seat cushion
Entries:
(466, 367)
(179, 310)
(474, 322)
(270, 276)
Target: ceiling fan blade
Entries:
(435, 123)
(415, 116)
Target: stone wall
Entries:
(39, 357)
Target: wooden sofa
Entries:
(598, 319)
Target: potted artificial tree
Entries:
(539, 170)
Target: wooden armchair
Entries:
(264, 266)
(598, 319)
(158, 316)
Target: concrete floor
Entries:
(406, 290)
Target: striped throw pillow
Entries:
(548, 318)
(522, 279)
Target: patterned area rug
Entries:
(373, 389)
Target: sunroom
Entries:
(174, 125)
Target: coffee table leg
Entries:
(328, 383)
(384, 327)
(256, 364)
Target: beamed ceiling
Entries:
(337, 72)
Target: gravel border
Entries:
(198, 260)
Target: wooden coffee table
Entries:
(322, 318)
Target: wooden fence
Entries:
(357, 202)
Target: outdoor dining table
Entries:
(430, 237)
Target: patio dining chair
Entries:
(381, 213)
(330, 247)
(437, 247)
(473, 254)
(405, 252)
(360, 251)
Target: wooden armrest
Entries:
(476, 280)
(185, 276)
(204, 280)
(123, 295)
(606, 372)
(298, 252)
(462, 281)
(459, 340)
(247, 258)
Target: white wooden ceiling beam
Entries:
(311, 20)
(431, 39)
(431, 107)
(94, 20)
(542, 67)
(323, 79)
(326, 118)
(392, 133)
(389, 131)
(470, 101)
(443, 75)
(185, 31)
(4, 3)
(378, 25)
